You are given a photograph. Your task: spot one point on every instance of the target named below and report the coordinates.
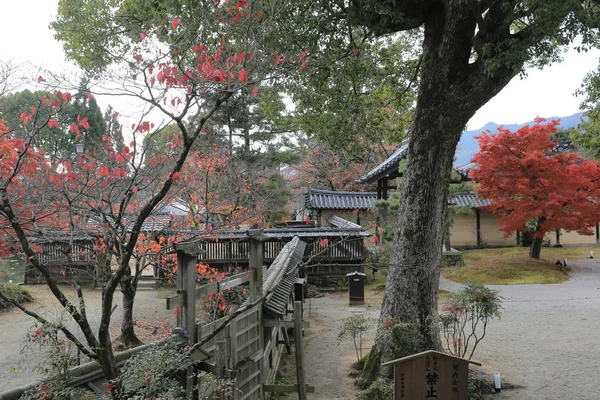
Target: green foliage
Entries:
(381, 389)
(153, 371)
(12, 268)
(58, 142)
(60, 356)
(13, 292)
(405, 338)
(465, 317)
(272, 196)
(354, 327)
(359, 86)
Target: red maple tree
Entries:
(186, 81)
(534, 190)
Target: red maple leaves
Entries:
(528, 185)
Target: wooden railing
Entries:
(326, 248)
(59, 253)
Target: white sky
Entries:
(546, 93)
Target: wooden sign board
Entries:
(431, 375)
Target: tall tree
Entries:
(533, 189)
(470, 51)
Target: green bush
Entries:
(13, 292)
(465, 317)
(381, 389)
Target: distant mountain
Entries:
(468, 146)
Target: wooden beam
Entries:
(299, 350)
(220, 358)
(478, 226)
(255, 263)
(235, 280)
(287, 388)
(278, 323)
(385, 189)
(174, 301)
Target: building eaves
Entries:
(468, 200)
(332, 200)
(387, 167)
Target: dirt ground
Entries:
(327, 364)
(546, 341)
(153, 322)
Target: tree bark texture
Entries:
(128, 338)
(536, 248)
(452, 88)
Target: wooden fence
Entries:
(249, 346)
(231, 251)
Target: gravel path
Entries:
(327, 364)
(548, 339)
(149, 310)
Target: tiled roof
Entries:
(339, 222)
(329, 199)
(386, 167)
(465, 169)
(276, 302)
(153, 223)
(468, 200)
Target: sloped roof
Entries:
(276, 302)
(464, 169)
(386, 167)
(468, 200)
(339, 222)
(329, 199)
(153, 223)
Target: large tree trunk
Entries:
(451, 90)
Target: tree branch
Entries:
(62, 328)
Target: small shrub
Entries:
(354, 327)
(381, 389)
(465, 318)
(13, 292)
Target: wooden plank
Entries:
(174, 301)
(278, 323)
(220, 358)
(255, 263)
(299, 350)
(287, 388)
(235, 280)
(180, 289)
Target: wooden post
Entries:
(220, 357)
(299, 350)
(255, 263)
(385, 189)
(478, 217)
(179, 283)
(187, 283)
